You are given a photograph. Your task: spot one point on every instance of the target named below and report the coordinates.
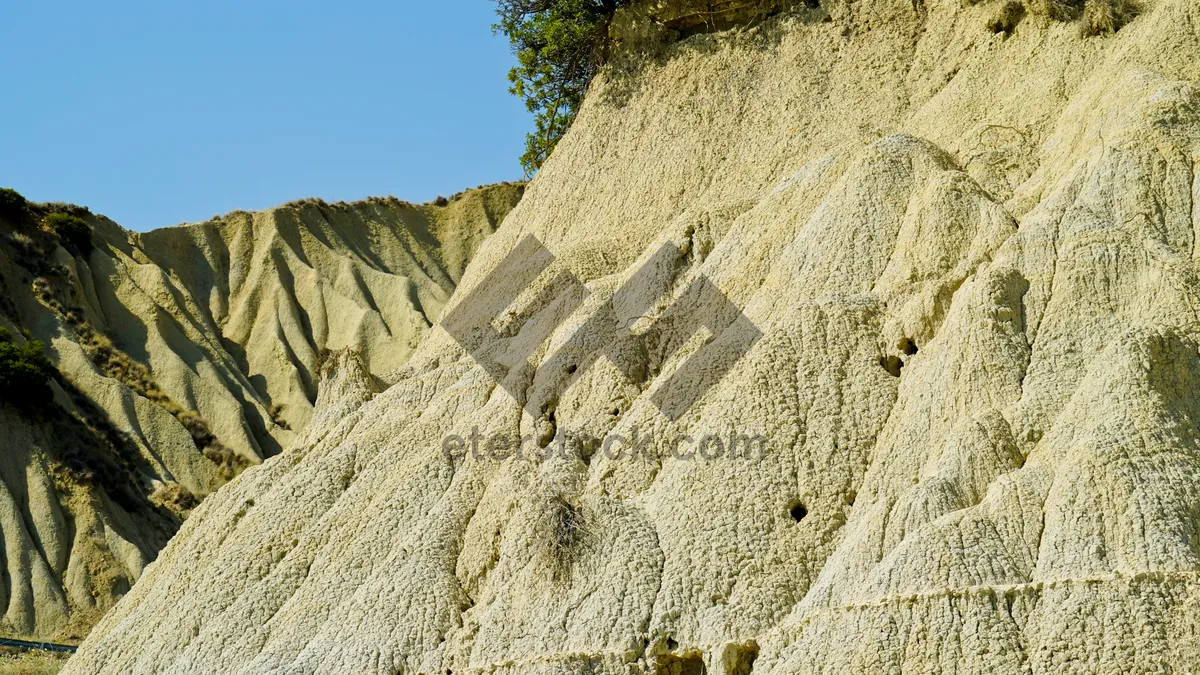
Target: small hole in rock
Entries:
(812, 4)
(797, 512)
(572, 368)
(908, 347)
(616, 412)
(892, 364)
(742, 661)
(672, 644)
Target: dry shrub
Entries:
(1006, 19)
(275, 411)
(1059, 10)
(176, 499)
(32, 250)
(569, 533)
(118, 365)
(229, 463)
(22, 242)
(1105, 17)
(324, 357)
(307, 201)
(196, 426)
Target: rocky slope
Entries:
(969, 257)
(185, 355)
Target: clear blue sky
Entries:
(156, 113)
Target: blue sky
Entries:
(156, 113)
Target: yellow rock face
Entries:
(229, 322)
(972, 261)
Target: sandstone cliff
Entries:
(971, 255)
(187, 354)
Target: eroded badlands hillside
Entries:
(972, 256)
(185, 355)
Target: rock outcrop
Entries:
(970, 258)
(187, 354)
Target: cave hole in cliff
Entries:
(812, 4)
(797, 511)
(908, 346)
(892, 364)
(572, 368)
(741, 661)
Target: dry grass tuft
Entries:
(1059, 10)
(176, 499)
(276, 413)
(1105, 17)
(31, 663)
(229, 463)
(1095, 17)
(569, 534)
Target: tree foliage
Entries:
(559, 45)
(25, 374)
(12, 204)
(71, 230)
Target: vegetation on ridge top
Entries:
(12, 203)
(1094, 17)
(560, 45)
(71, 230)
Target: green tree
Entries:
(12, 204)
(72, 230)
(559, 45)
(25, 374)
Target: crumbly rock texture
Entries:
(973, 260)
